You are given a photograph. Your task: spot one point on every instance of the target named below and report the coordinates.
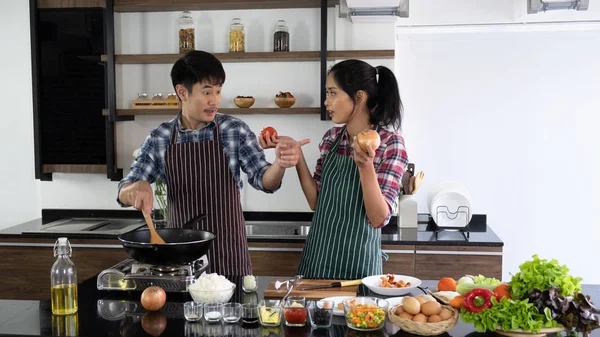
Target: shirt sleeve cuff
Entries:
(259, 181)
(119, 187)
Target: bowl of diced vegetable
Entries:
(211, 288)
(365, 313)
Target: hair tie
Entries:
(376, 75)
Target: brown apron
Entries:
(200, 182)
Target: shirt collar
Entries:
(180, 128)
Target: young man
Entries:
(199, 155)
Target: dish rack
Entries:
(443, 213)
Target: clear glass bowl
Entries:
(320, 313)
(219, 296)
(374, 308)
(269, 312)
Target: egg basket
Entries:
(423, 329)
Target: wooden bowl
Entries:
(243, 102)
(284, 102)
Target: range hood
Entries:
(536, 6)
(359, 11)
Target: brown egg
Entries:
(431, 308)
(399, 310)
(411, 305)
(445, 314)
(420, 318)
(421, 300)
(406, 315)
(434, 319)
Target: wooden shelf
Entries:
(293, 56)
(207, 5)
(66, 168)
(227, 111)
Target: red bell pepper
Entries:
(473, 295)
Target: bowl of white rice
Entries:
(211, 288)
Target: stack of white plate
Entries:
(450, 204)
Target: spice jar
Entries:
(172, 99)
(157, 97)
(187, 33)
(142, 97)
(281, 38)
(237, 37)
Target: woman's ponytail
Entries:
(388, 111)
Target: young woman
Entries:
(352, 192)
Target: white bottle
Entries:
(407, 211)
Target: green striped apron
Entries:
(341, 244)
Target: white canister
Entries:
(407, 211)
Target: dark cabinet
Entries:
(69, 89)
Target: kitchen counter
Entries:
(34, 318)
(283, 227)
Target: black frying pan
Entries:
(183, 245)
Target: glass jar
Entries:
(237, 37)
(281, 38)
(157, 97)
(187, 33)
(143, 97)
(172, 99)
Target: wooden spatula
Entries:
(418, 181)
(154, 237)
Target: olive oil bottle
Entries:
(63, 278)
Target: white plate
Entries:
(337, 300)
(373, 283)
(450, 201)
(394, 301)
(448, 186)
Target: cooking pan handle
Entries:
(190, 224)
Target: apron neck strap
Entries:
(174, 130)
(338, 140)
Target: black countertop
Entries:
(34, 318)
(480, 234)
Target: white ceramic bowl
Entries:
(219, 296)
(374, 284)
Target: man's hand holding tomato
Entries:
(268, 137)
(287, 150)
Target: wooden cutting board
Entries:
(315, 294)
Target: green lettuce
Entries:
(509, 315)
(543, 274)
(480, 279)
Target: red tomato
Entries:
(503, 290)
(271, 130)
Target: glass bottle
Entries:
(281, 38)
(63, 279)
(237, 37)
(65, 325)
(187, 33)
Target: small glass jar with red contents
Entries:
(295, 311)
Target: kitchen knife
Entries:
(334, 285)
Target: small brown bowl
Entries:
(243, 102)
(284, 102)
